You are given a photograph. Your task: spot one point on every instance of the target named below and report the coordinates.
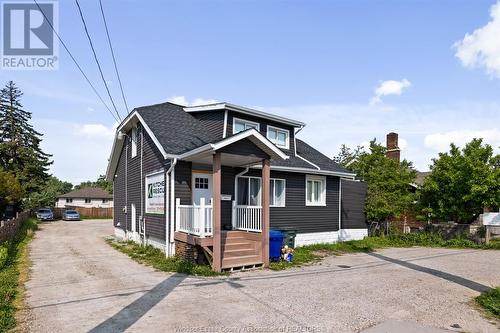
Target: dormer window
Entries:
(240, 125)
(280, 137)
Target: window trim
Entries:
(284, 192)
(133, 139)
(260, 190)
(244, 121)
(287, 140)
(322, 179)
(88, 200)
(69, 200)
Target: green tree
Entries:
(20, 151)
(10, 190)
(347, 155)
(388, 182)
(100, 182)
(462, 182)
(48, 195)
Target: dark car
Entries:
(45, 214)
(71, 215)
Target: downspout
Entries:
(126, 191)
(340, 209)
(173, 162)
(143, 219)
(172, 207)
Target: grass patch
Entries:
(154, 257)
(314, 253)
(14, 266)
(490, 301)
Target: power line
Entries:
(96, 59)
(74, 60)
(113, 55)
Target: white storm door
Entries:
(202, 187)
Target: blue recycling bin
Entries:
(275, 244)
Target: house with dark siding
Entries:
(209, 182)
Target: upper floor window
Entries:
(69, 200)
(240, 125)
(87, 200)
(279, 136)
(315, 190)
(134, 142)
(104, 201)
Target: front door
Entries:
(202, 187)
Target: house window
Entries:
(249, 193)
(315, 190)
(104, 201)
(201, 182)
(69, 200)
(240, 125)
(277, 195)
(279, 136)
(87, 200)
(134, 142)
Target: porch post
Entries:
(216, 188)
(266, 175)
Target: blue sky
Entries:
(322, 62)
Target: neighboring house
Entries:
(210, 181)
(86, 197)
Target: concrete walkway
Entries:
(79, 284)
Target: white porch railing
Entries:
(248, 218)
(194, 219)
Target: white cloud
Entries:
(90, 109)
(182, 100)
(389, 87)
(481, 48)
(96, 131)
(402, 143)
(441, 141)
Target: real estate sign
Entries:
(155, 193)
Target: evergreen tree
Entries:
(20, 151)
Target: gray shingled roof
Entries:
(176, 130)
(88, 192)
(311, 154)
(179, 132)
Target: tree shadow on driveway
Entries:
(443, 275)
(135, 310)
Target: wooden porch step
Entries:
(239, 253)
(241, 261)
(240, 245)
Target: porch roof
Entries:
(204, 153)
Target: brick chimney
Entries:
(393, 150)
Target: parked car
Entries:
(45, 214)
(71, 215)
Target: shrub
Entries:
(490, 301)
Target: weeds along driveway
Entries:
(79, 283)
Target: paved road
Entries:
(79, 284)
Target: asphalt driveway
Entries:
(78, 284)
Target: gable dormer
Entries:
(223, 119)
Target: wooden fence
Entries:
(87, 212)
(9, 228)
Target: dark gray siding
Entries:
(353, 204)
(213, 121)
(130, 187)
(119, 216)
(263, 127)
(183, 182)
(296, 215)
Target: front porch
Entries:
(243, 240)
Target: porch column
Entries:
(216, 188)
(266, 175)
